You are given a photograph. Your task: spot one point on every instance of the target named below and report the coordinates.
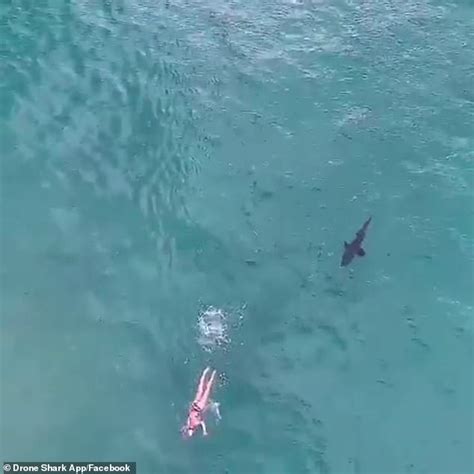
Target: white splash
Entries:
(212, 327)
(214, 408)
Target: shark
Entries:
(355, 247)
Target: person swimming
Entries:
(200, 405)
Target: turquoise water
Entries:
(158, 157)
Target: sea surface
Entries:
(162, 157)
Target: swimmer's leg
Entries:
(202, 382)
(207, 390)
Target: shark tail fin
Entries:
(361, 252)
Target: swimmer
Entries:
(200, 405)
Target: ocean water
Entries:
(159, 157)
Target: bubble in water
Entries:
(212, 328)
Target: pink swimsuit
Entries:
(199, 405)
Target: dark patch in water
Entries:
(333, 333)
(336, 292)
(266, 194)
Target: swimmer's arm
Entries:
(217, 411)
(203, 426)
